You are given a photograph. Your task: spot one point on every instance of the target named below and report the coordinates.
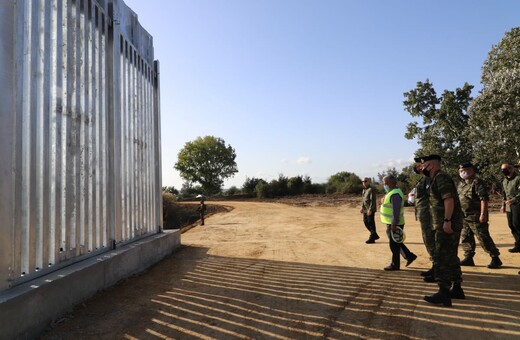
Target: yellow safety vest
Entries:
(387, 211)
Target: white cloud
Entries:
(303, 160)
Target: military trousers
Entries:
(370, 222)
(513, 220)
(446, 262)
(428, 234)
(472, 227)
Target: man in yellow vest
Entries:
(392, 214)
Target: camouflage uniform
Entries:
(446, 262)
(422, 214)
(470, 194)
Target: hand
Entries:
(447, 228)
(502, 209)
(361, 210)
(511, 201)
(394, 228)
(483, 218)
(369, 212)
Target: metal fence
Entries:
(80, 134)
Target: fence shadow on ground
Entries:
(227, 298)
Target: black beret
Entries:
(423, 159)
(466, 165)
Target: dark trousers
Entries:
(397, 249)
(513, 220)
(370, 223)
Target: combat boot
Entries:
(495, 262)
(467, 261)
(441, 297)
(429, 272)
(456, 291)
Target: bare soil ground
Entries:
(299, 270)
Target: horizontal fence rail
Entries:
(80, 134)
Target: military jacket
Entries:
(511, 188)
(441, 188)
(470, 195)
(369, 199)
(422, 205)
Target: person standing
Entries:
(446, 215)
(474, 198)
(392, 214)
(511, 202)
(202, 210)
(422, 214)
(368, 209)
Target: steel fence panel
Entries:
(79, 126)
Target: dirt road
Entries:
(268, 270)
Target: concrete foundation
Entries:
(26, 310)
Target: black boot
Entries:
(441, 297)
(495, 262)
(456, 291)
(429, 272)
(467, 261)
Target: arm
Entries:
(483, 211)
(503, 206)
(396, 208)
(449, 204)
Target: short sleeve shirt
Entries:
(441, 188)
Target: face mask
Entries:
(387, 188)
(505, 172)
(463, 174)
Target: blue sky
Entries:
(310, 87)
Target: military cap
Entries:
(423, 159)
(466, 165)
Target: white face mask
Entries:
(463, 174)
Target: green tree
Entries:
(495, 113)
(295, 185)
(504, 56)
(249, 186)
(344, 183)
(170, 190)
(207, 161)
(443, 129)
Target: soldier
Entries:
(368, 209)
(511, 202)
(446, 217)
(474, 198)
(422, 214)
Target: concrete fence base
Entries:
(26, 310)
